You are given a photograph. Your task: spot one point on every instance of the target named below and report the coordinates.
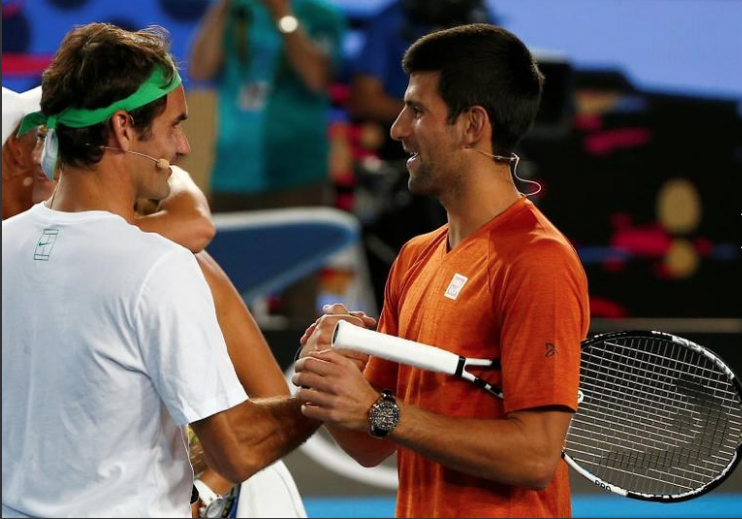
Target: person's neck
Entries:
(487, 193)
(81, 190)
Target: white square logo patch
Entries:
(457, 283)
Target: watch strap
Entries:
(385, 394)
(205, 494)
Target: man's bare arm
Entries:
(244, 439)
(523, 449)
(183, 217)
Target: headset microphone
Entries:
(161, 163)
(513, 160)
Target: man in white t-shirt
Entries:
(111, 344)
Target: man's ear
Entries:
(122, 130)
(478, 128)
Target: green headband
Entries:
(155, 87)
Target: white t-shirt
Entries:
(110, 347)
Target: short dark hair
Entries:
(485, 65)
(95, 66)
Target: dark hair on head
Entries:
(95, 66)
(482, 65)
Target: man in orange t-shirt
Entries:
(499, 281)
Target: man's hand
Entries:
(338, 309)
(333, 390)
(318, 337)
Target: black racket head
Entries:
(661, 417)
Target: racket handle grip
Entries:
(347, 336)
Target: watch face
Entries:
(386, 415)
(215, 508)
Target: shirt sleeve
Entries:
(181, 344)
(545, 316)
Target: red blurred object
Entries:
(12, 8)
(345, 201)
(662, 271)
(606, 142)
(339, 93)
(602, 307)
(25, 65)
(651, 241)
(704, 246)
(588, 123)
(614, 265)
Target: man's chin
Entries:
(164, 193)
(419, 187)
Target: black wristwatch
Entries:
(383, 416)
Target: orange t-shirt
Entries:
(513, 290)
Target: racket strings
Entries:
(658, 417)
(644, 411)
(653, 458)
(626, 364)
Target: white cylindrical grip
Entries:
(348, 336)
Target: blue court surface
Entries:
(720, 505)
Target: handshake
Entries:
(318, 337)
(332, 386)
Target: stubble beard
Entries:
(422, 182)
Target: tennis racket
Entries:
(660, 417)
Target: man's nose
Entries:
(184, 147)
(400, 128)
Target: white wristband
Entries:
(205, 494)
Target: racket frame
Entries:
(663, 498)
(347, 336)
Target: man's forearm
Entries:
(305, 57)
(505, 451)
(183, 217)
(289, 426)
(521, 450)
(253, 361)
(275, 428)
(189, 228)
(207, 54)
(360, 446)
(246, 438)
